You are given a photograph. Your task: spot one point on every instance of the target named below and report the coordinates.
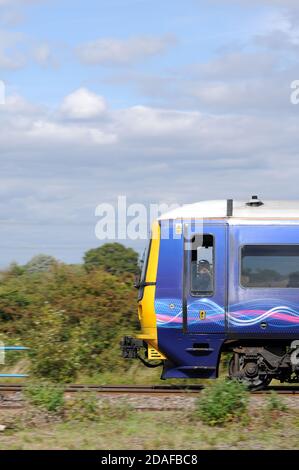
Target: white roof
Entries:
(218, 209)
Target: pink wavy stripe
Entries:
(279, 315)
(285, 317)
(166, 318)
(248, 312)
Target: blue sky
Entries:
(198, 30)
(159, 101)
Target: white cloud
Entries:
(83, 104)
(143, 121)
(256, 95)
(46, 131)
(17, 50)
(29, 133)
(250, 3)
(18, 2)
(216, 129)
(17, 105)
(43, 55)
(55, 170)
(12, 11)
(244, 81)
(282, 3)
(280, 31)
(236, 65)
(111, 51)
(10, 57)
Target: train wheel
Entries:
(248, 373)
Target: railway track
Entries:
(147, 389)
(159, 397)
(111, 389)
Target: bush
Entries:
(117, 410)
(83, 407)
(70, 318)
(224, 400)
(50, 352)
(274, 403)
(11, 358)
(46, 396)
(89, 407)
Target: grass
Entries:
(275, 403)
(158, 430)
(214, 421)
(137, 374)
(44, 395)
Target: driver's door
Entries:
(205, 278)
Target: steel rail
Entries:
(145, 389)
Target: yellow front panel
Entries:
(146, 306)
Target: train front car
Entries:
(222, 276)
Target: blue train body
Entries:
(247, 259)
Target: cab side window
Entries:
(144, 265)
(202, 265)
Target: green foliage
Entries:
(115, 410)
(83, 407)
(12, 301)
(72, 319)
(221, 402)
(15, 269)
(40, 263)
(49, 346)
(113, 258)
(45, 395)
(10, 357)
(274, 403)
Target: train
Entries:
(221, 278)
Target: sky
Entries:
(169, 101)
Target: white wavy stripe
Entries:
(268, 313)
(232, 319)
(208, 302)
(161, 322)
(202, 301)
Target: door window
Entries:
(202, 265)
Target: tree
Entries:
(14, 269)
(114, 258)
(40, 263)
